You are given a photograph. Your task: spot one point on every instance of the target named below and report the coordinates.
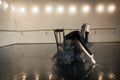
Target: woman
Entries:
(82, 37)
(69, 62)
(80, 47)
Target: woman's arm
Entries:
(87, 53)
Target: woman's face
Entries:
(87, 28)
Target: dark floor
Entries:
(33, 61)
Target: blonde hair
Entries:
(83, 28)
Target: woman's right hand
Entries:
(93, 60)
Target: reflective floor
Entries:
(33, 61)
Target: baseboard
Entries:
(55, 43)
(7, 45)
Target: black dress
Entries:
(68, 62)
(77, 35)
(79, 66)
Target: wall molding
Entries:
(53, 30)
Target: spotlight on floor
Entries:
(111, 76)
(35, 9)
(86, 9)
(72, 9)
(24, 77)
(100, 76)
(60, 9)
(48, 9)
(37, 77)
(50, 76)
(111, 8)
(100, 8)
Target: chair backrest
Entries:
(59, 35)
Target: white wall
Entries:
(7, 38)
(35, 37)
(6, 23)
(29, 21)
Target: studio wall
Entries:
(12, 25)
